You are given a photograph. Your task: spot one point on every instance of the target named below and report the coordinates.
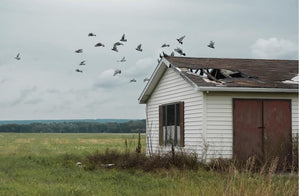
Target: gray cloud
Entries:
(3, 80)
(142, 68)
(274, 48)
(24, 94)
(34, 101)
(53, 91)
(106, 80)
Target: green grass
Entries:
(45, 164)
(58, 143)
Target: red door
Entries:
(262, 128)
(277, 129)
(247, 134)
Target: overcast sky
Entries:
(43, 84)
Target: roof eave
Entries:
(247, 89)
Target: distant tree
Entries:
(77, 127)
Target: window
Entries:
(171, 121)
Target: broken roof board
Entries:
(263, 75)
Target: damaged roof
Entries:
(258, 73)
(229, 74)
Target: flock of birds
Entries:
(114, 48)
(138, 48)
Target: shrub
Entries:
(179, 160)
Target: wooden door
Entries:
(277, 130)
(262, 128)
(247, 132)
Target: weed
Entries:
(139, 147)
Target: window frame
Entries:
(178, 121)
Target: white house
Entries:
(220, 107)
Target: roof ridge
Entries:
(229, 58)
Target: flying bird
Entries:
(79, 51)
(82, 63)
(99, 44)
(115, 48)
(18, 56)
(118, 44)
(163, 55)
(179, 51)
(123, 38)
(165, 45)
(122, 60)
(146, 79)
(133, 80)
(211, 44)
(160, 56)
(91, 34)
(180, 39)
(139, 48)
(78, 70)
(117, 71)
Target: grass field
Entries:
(45, 164)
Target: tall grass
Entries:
(45, 164)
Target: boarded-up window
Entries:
(171, 124)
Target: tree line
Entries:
(133, 126)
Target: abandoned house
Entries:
(221, 107)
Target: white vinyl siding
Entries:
(219, 130)
(173, 88)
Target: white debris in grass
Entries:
(108, 165)
(79, 164)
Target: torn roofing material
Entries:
(250, 73)
(294, 80)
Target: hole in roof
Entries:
(217, 74)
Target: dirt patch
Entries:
(24, 141)
(100, 141)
